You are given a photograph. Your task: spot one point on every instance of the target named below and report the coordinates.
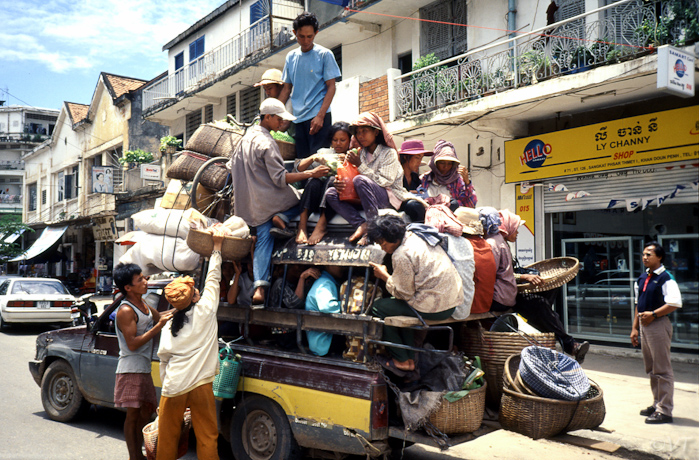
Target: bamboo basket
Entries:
(555, 272)
(462, 416)
(232, 248)
(287, 149)
(494, 348)
(185, 167)
(217, 139)
(150, 437)
(539, 417)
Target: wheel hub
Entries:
(62, 391)
(260, 435)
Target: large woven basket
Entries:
(462, 416)
(185, 167)
(287, 149)
(539, 417)
(494, 348)
(217, 139)
(232, 248)
(150, 437)
(555, 272)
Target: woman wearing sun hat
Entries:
(189, 359)
(379, 184)
(446, 179)
(411, 153)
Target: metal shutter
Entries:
(443, 40)
(648, 181)
(568, 9)
(249, 104)
(192, 122)
(208, 114)
(232, 105)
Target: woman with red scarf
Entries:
(448, 178)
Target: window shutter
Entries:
(568, 9)
(249, 104)
(232, 105)
(436, 38)
(208, 114)
(192, 122)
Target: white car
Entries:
(34, 300)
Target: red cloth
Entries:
(135, 390)
(484, 277)
(443, 219)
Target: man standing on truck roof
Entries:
(264, 197)
(310, 71)
(133, 388)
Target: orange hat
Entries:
(180, 292)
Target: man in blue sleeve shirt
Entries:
(657, 295)
(310, 71)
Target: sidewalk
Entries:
(626, 389)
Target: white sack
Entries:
(158, 221)
(155, 254)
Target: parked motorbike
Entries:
(83, 310)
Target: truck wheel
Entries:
(60, 394)
(260, 431)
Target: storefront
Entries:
(598, 193)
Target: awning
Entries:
(48, 238)
(13, 237)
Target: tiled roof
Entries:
(77, 112)
(122, 85)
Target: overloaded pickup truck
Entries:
(290, 403)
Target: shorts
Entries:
(135, 390)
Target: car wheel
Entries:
(3, 325)
(60, 395)
(260, 431)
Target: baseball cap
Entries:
(272, 106)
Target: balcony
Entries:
(12, 165)
(22, 138)
(619, 32)
(10, 199)
(257, 41)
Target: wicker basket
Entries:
(232, 248)
(539, 417)
(150, 437)
(462, 416)
(494, 348)
(217, 139)
(555, 272)
(287, 149)
(185, 167)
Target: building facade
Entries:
(486, 75)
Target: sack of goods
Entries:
(236, 242)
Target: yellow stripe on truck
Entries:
(313, 405)
(304, 404)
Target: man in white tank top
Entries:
(136, 325)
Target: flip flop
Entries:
(387, 363)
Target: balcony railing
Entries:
(620, 31)
(10, 199)
(11, 165)
(274, 30)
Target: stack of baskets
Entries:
(523, 411)
(462, 416)
(217, 139)
(494, 348)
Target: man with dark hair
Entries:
(310, 71)
(136, 325)
(263, 196)
(657, 295)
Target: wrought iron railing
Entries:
(11, 165)
(10, 199)
(274, 30)
(624, 30)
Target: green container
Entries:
(226, 382)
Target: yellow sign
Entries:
(660, 137)
(526, 240)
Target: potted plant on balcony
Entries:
(133, 158)
(170, 144)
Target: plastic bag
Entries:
(346, 172)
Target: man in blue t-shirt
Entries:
(324, 297)
(657, 295)
(309, 77)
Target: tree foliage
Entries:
(10, 224)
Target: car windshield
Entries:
(38, 287)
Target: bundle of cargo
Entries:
(236, 242)
(546, 393)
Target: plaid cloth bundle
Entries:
(552, 374)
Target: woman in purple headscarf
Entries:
(448, 178)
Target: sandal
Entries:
(387, 363)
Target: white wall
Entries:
(369, 58)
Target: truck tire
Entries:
(60, 395)
(260, 431)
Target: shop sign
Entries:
(525, 239)
(150, 172)
(104, 228)
(656, 138)
(675, 71)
